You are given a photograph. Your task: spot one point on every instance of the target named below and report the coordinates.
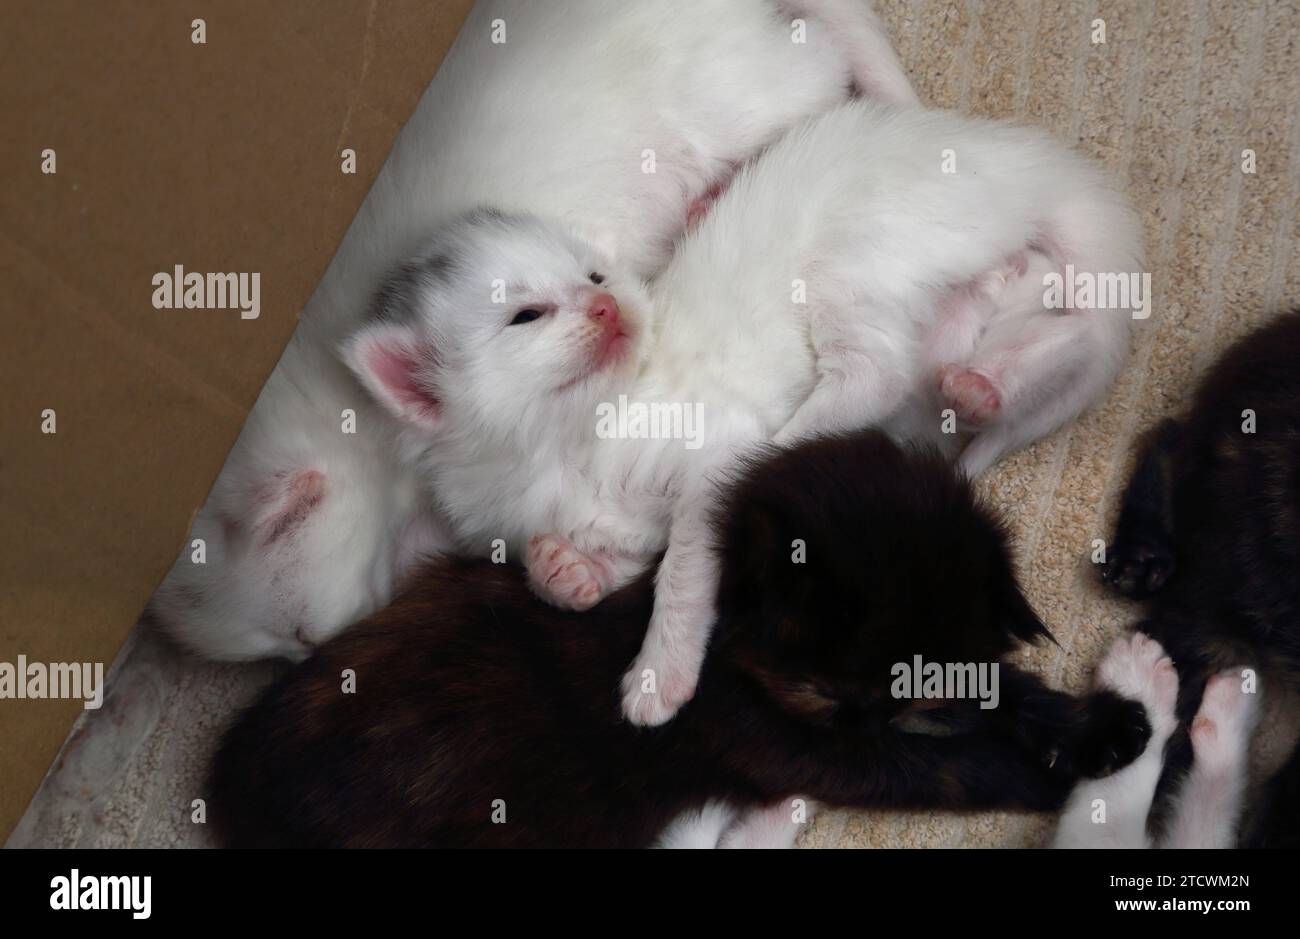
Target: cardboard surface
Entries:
(221, 157)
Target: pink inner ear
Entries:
(394, 367)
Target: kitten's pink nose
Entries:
(604, 307)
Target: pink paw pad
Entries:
(562, 575)
(971, 395)
(1223, 724)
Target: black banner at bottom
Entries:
(652, 888)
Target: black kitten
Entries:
(1209, 532)
(1277, 823)
(484, 717)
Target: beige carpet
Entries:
(1169, 101)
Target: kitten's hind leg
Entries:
(1016, 392)
(1112, 812)
(1141, 557)
(859, 379)
(1078, 736)
(961, 315)
(1208, 805)
(1034, 369)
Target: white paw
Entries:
(1224, 722)
(1136, 667)
(973, 396)
(657, 685)
(562, 575)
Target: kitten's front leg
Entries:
(1091, 736)
(664, 674)
(977, 770)
(571, 579)
(1112, 811)
(859, 382)
(1140, 559)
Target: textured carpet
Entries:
(1171, 99)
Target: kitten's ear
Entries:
(393, 363)
(1021, 620)
(286, 502)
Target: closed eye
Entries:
(525, 316)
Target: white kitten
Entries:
(304, 531)
(1112, 812)
(615, 119)
(819, 294)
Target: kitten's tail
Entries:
(857, 32)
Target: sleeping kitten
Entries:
(1209, 532)
(1113, 812)
(841, 278)
(482, 716)
(617, 120)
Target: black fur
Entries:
(470, 690)
(1209, 531)
(1277, 824)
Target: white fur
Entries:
(773, 827)
(718, 825)
(558, 120)
(1207, 806)
(1111, 812)
(854, 205)
(699, 829)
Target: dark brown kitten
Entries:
(474, 697)
(1209, 533)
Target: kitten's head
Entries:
(503, 320)
(304, 531)
(845, 556)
